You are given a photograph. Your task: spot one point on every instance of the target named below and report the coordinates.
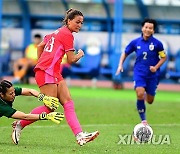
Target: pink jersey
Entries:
(57, 44)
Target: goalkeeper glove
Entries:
(50, 102)
(53, 116)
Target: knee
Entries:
(150, 101)
(140, 95)
(65, 100)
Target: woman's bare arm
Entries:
(22, 115)
(29, 92)
(72, 57)
(40, 49)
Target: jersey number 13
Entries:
(49, 45)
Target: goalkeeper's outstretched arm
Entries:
(53, 116)
(29, 92)
(24, 116)
(50, 102)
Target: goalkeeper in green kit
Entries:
(7, 97)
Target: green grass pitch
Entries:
(112, 112)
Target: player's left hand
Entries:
(81, 53)
(153, 69)
(49, 101)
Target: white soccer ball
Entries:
(142, 133)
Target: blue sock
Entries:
(141, 109)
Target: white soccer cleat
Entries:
(84, 137)
(16, 132)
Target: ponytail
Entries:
(70, 14)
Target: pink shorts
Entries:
(43, 78)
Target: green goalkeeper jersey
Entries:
(6, 108)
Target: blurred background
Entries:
(109, 26)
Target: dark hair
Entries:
(70, 14)
(149, 20)
(4, 85)
(37, 36)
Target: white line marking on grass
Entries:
(100, 125)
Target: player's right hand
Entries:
(53, 116)
(49, 101)
(119, 69)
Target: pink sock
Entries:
(71, 117)
(37, 110)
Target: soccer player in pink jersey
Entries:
(47, 72)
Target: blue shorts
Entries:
(150, 84)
